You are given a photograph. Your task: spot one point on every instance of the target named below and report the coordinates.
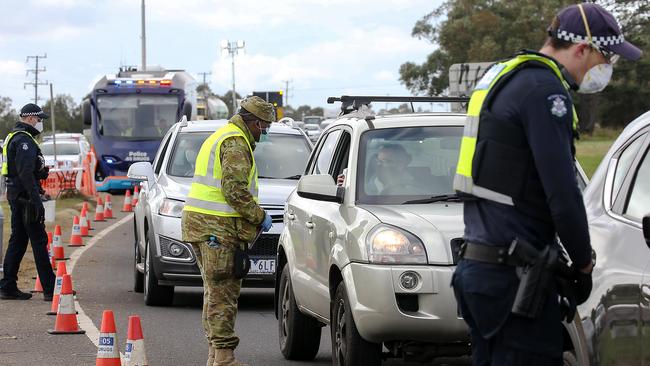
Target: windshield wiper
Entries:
(263, 177)
(297, 176)
(439, 198)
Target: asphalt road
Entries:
(103, 278)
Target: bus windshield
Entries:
(136, 117)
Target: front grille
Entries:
(266, 245)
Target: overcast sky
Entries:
(326, 47)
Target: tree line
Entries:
(67, 114)
(490, 30)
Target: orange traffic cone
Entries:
(128, 204)
(135, 354)
(108, 207)
(57, 247)
(61, 270)
(107, 352)
(85, 206)
(136, 194)
(38, 288)
(99, 210)
(83, 222)
(66, 316)
(53, 262)
(75, 237)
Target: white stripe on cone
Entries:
(83, 221)
(57, 285)
(56, 241)
(107, 346)
(135, 354)
(66, 305)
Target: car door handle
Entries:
(309, 225)
(291, 216)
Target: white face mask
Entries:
(596, 79)
(39, 126)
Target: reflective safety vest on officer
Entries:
(5, 165)
(205, 194)
(492, 164)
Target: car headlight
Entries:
(391, 245)
(171, 208)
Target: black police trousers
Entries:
(21, 233)
(485, 293)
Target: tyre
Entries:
(299, 334)
(348, 348)
(154, 294)
(138, 278)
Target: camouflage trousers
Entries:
(220, 293)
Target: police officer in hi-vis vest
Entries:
(221, 216)
(517, 166)
(22, 167)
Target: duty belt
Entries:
(488, 254)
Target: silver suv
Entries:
(373, 255)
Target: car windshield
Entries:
(397, 165)
(312, 128)
(136, 117)
(61, 149)
(312, 120)
(280, 156)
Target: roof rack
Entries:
(351, 103)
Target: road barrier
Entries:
(66, 315)
(107, 351)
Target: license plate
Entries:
(262, 266)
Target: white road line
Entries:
(85, 322)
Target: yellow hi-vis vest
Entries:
(464, 181)
(205, 192)
(5, 165)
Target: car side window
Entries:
(341, 156)
(625, 160)
(326, 152)
(638, 203)
(161, 153)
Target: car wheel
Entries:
(348, 348)
(299, 334)
(154, 294)
(569, 359)
(138, 278)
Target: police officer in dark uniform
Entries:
(517, 164)
(23, 166)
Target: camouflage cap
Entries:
(261, 109)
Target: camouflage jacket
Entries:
(236, 163)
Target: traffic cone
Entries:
(61, 270)
(135, 354)
(83, 222)
(85, 207)
(108, 207)
(107, 352)
(66, 316)
(75, 237)
(53, 262)
(128, 204)
(136, 194)
(99, 210)
(38, 288)
(57, 247)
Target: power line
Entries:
(36, 70)
(205, 75)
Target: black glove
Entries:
(33, 212)
(582, 286)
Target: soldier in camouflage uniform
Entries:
(221, 289)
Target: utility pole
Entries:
(286, 91)
(35, 71)
(205, 75)
(56, 162)
(143, 38)
(233, 49)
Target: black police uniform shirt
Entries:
(25, 165)
(536, 99)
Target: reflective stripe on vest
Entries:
(463, 181)
(5, 166)
(205, 194)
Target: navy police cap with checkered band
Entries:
(605, 31)
(31, 109)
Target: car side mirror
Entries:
(142, 171)
(646, 230)
(320, 187)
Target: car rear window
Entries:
(280, 156)
(407, 163)
(61, 149)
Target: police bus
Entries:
(129, 113)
